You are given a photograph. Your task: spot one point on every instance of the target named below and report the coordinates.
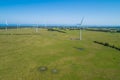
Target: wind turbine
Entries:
(0, 22)
(37, 28)
(18, 26)
(80, 33)
(6, 25)
(36, 25)
(45, 26)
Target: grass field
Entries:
(23, 52)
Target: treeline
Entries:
(107, 45)
(56, 30)
(105, 30)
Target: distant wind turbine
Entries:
(36, 25)
(45, 26)
(6, 25)
(37, 28)
(18, 26)
(80, 34)
(0, 22)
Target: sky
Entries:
(95, 12)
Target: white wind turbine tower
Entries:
(36, 25)
(45, 26)
(80, 34)
(36, 28)
(6, 25)
(18, 26)
(0, 22)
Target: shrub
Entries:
(106, 44)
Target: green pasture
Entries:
(23, 51)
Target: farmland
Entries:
(24, 51)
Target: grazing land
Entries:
(23, 52)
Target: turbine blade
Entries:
(82, 21)
(6, 22)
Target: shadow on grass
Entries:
(78, 48)
(45, 69)
(74, 38)
(22, 34)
